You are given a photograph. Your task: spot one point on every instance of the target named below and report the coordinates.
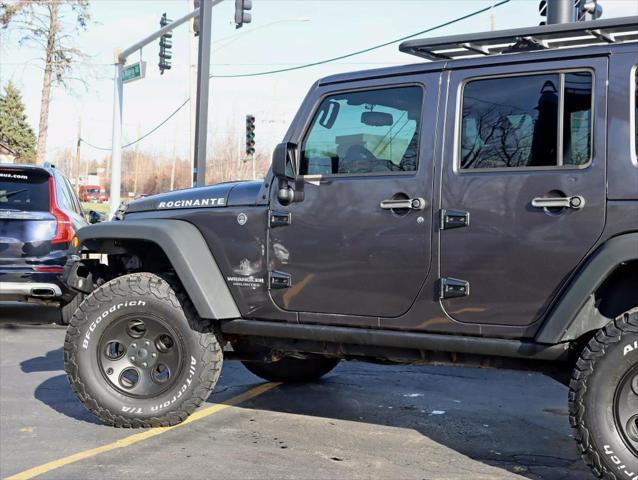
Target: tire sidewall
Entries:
(91, 324)
(599, 400)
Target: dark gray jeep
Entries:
(480, 209)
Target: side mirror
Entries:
(283, 161)
(94, 217)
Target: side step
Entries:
(398, 339)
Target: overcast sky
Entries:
(283, 33)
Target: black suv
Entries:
(479, 209)
(39, 215)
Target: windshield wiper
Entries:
(9, 194)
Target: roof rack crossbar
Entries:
(603, 35)
(475, 48)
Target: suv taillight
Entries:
(63, 225)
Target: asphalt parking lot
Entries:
(361, 421)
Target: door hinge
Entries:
(279, 218)
(280, 279)
(453, 287)
(454, 219)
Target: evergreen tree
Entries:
(15, 131)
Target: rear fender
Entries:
(576, 313)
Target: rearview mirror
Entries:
(377, 119)
(283, 161)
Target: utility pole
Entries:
(136, 165)
(560, 11)
(173, 168)
(75, 178)
(203, 82)
(192, 82)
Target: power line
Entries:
(150, 132)
(308, 65)
(366, 50)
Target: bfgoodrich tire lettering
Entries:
(598, 377)
(147, 296)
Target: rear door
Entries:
(26, 226)
(525, 167)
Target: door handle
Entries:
(408, 203)
(575, 202)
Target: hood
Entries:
(213, 196)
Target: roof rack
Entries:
(577, 34)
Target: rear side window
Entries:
(542, 120)
(24, 190)
(635, 112)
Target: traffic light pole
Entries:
(116, 139)
(203, 86)
(118, 93)
(560, 11)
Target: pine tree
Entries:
(15, 131)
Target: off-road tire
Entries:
(202, 355)
(68, 309)
(293, 370)
(602, 365)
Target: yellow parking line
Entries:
(138, 437)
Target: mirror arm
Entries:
(285, 194)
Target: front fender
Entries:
(187, 252)
(574, 314)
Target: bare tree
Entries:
(44, 23)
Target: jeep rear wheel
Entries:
(137, 354)
(604, 400)
(293, 370)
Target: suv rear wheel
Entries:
(137, 354)
(604, 400)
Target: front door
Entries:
(348, 249)
(526, 162)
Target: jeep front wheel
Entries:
(137, 354)
(604, 399)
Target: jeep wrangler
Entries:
(479, 209)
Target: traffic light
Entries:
(542, 9)
(196, 19)
(242, 14)
(250, 134)
(165, 47)
(588, 10)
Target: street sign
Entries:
(134, 71)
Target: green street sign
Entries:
(134, 71)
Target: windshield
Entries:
(94, 190)
(24, 190)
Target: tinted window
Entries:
(636, 109)
(24, 190)
(63, 197)
(374, 131)
(514, 121)
(577, 119)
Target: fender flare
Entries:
(188, 253)
(575, 314)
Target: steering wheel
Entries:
(359, 152)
